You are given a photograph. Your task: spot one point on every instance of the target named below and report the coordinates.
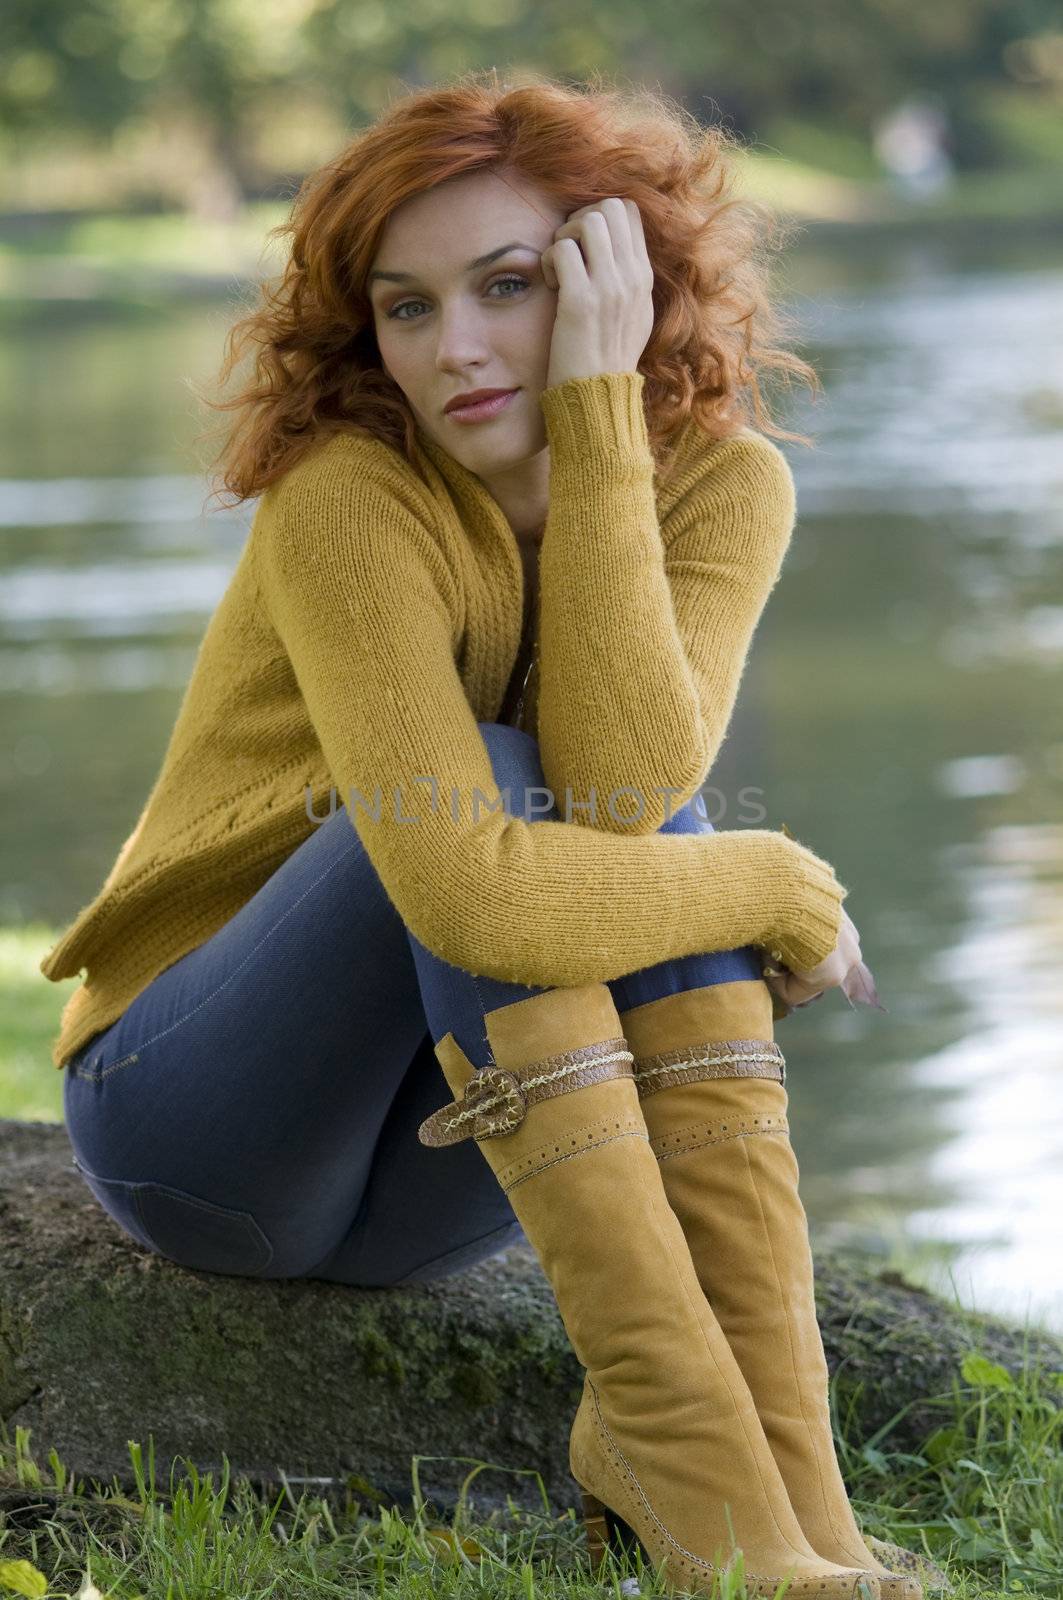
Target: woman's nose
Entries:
(461, 338)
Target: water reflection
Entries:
(909, 724)
(1004, 1161)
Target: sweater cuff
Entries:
(810, 923)
(598, 420)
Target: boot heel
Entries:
(606, 1531)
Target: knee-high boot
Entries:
(711, 1083)
(666, 1444)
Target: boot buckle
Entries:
(493, 1103)
(496, 1100)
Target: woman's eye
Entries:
(510, 277)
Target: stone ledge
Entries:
(102, 1342)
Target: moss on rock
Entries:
(102, 1341)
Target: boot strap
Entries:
(726, 1058)
(496, 1099)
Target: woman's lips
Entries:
(483, 409)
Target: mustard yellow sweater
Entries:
(372, 620)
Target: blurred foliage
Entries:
(179, 99)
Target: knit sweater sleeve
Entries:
(646, 628)
(365, 605)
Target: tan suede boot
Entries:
(668, 1445)
(711, 1082)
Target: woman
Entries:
(511, 635)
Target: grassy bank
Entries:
(31, 1090)
(981, 1500)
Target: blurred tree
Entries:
(222, 89)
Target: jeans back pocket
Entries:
(192, 1232)
(196, 1233)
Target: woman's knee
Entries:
(512, 745)
(517, 767)
(693, 817)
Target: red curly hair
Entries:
(316, 363)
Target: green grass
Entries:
(814, 195)
(982, 1499)
(31, 1089)
(105, 255)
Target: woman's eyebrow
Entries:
(470, 266)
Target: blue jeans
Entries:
(254, 1111)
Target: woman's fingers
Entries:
(843, 969)
(789, 987)
(606, 230)
(605, 315)
(833, 969)
(857, 985)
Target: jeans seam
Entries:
(95, 1077)
(459, 1250)
(482, 1003)
(127, 1060)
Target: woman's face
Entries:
(450, 326)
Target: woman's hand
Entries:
(843, 969)
(605, 281)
